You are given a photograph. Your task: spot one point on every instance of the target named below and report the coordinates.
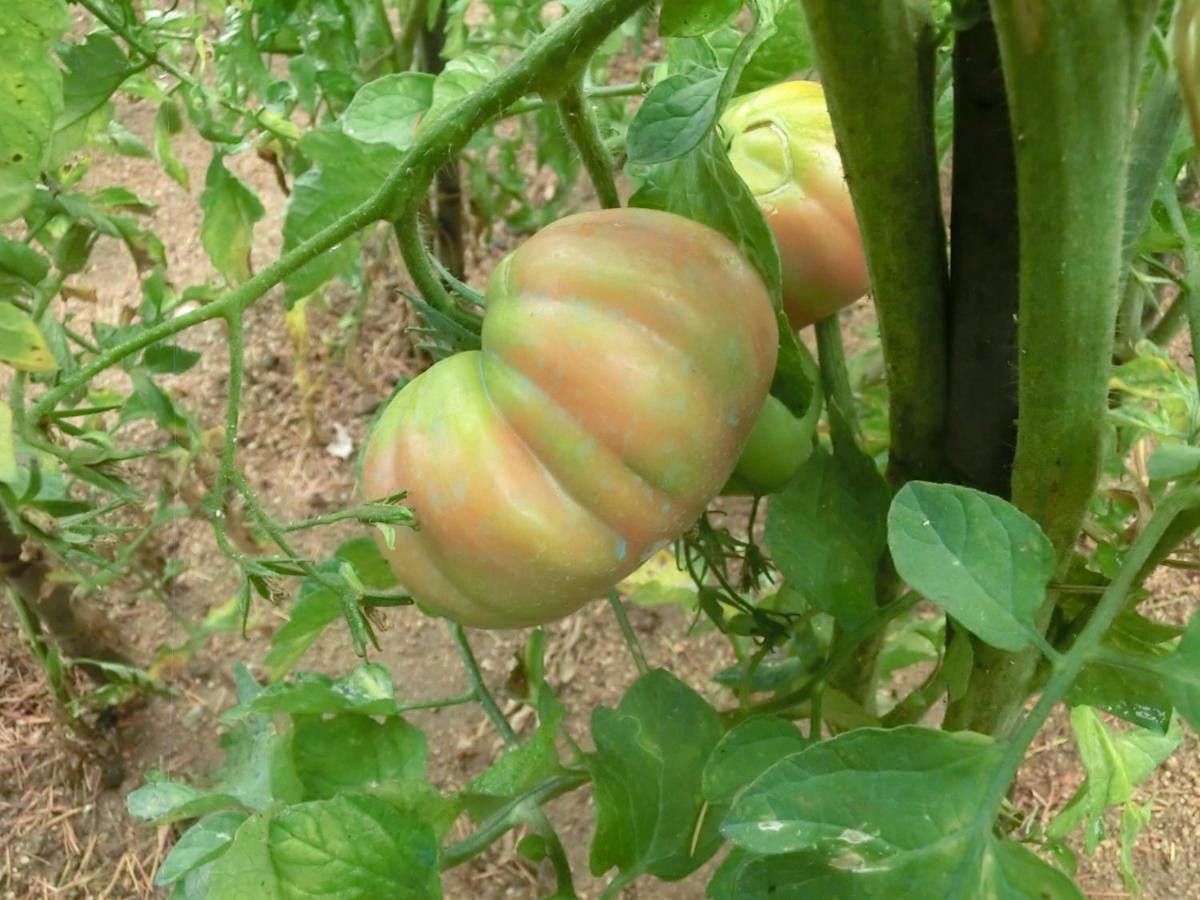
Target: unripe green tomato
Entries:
(625, 355)
(781, 144)
(778, 445)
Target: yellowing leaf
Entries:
(22, 344)
(659, 581)
(660, 568)
(8, 454)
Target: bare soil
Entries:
(66, 834)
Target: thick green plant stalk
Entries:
(981, 425)
(1071, 72)
(876, 64)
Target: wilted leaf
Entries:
(230, 211)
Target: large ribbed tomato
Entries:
(626, 354)
(781, 144)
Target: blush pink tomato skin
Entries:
(781, 144)
(626, 354)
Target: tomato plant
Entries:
(955, 511)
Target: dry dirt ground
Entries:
(65, 833)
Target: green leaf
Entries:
(352, 752)
(819, 798)
(167, 122)
(369, 565)
(746, 752)
(1173, 462)
(346, 174)
(1124, 682)
(367, 691)
(826, 533)
(115, 197)
(144, 247)
(149, 401)
(647, 768)
(784, 54)
(169, 359)
(204, 841)
(1013, 871)
(123, 141)
(22, 344)
(74, 248)
(1135, 695)
(316, 608)
(245, 869)
(703, 186)
(21, 268)
(980, 558)
(30, 96)
(675, 116)
(516, 772)
(239, 62)
(1181, 671)
(1115, 763)
(881, 813)
(165, 801)
(1133, 819)
(910, 640)
(387, 110)
(463, 75)
(1006, 871)
(776, 673)
(230, 210)
(255, 767)
(684, 107)
(353, 846)
(687, 18)
(95, 68)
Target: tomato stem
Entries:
(894, 184)
(579, 122)
(631, 641)
(835, 381)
